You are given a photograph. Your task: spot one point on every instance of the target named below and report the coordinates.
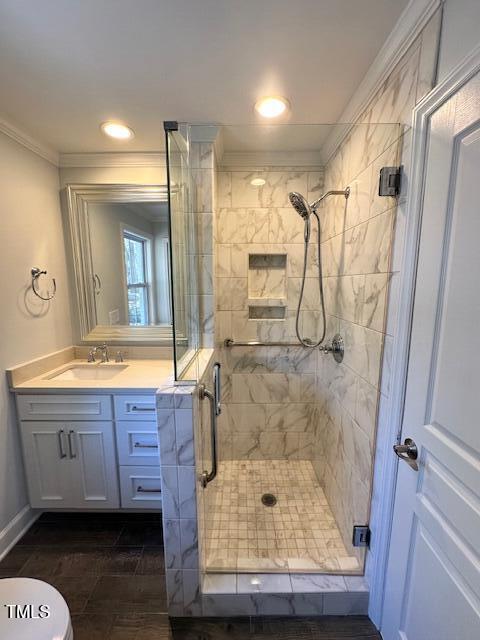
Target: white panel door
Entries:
(47, 464)
(433, 576)
(91, 448)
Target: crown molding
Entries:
(408, 27)
(132, 159)
(28, 141)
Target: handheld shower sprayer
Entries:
(300, 205)
(305, 211)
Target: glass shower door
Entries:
(183, 274)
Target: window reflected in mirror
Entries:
(138, 262)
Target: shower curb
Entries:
(338, 595)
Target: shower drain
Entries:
(269, 500)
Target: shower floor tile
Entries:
(298, 534)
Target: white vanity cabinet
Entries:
(71, 464)
(138, 452)
(90, 451)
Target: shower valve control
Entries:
(336, 347)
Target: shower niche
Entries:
(267, 276)
(265, 312)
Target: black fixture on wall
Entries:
(390, 181)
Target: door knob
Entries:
(408, 452)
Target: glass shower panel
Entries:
(298, 429)
(183, 273)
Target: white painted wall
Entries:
(31, 235)
(460, 33)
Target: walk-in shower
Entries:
(296, 436)
(305, 211)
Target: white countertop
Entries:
(143, 375)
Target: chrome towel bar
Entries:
(336, 347)
(229, 342)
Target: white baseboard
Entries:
(16, 528)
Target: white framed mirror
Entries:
(118, 245)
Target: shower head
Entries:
(300, 205)
(304, 209)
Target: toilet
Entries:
(32, 610)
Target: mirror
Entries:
(119, 245)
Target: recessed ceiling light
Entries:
(116, 130)
(257, 182)
(271, 106)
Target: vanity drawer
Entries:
(135, 408)
(137, 443)
(140, 487)
(64, 407)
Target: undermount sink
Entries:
(89, 372)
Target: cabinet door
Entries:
(48, 467)
(91, 449)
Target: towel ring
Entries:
(97, 284)
(36, 273)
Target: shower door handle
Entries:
(215, 409)
(217, 388)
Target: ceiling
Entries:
(151, 211)
(68, 65)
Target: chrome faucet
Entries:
(103, 350)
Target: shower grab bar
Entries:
(335, 346)
(215, 410)
(229, 342)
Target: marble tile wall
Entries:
(203, 175)
(269, 393)
(360, 276)
(175, 409)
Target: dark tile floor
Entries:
(110, 570)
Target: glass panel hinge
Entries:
(390, 181)
(361, 535)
